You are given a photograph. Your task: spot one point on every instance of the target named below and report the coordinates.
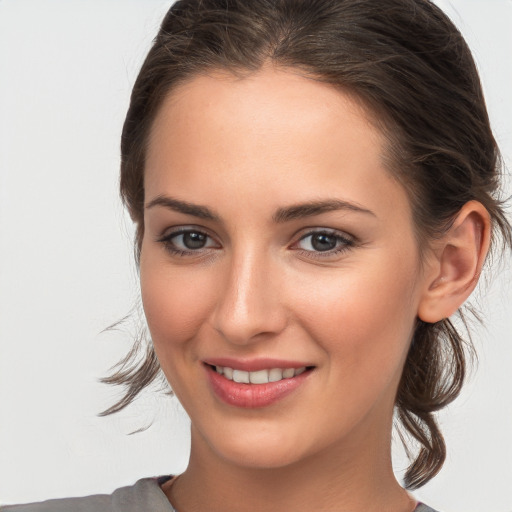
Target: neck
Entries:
(344, 479)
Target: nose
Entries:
(249, 305)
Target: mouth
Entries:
(263, 376)
(255, 388)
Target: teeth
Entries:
(288, 373)
(275, 374)
(259, 377)
(241, 376)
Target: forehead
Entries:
(273, 134)
(219, 104)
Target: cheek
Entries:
(176, 301)
(363, 319)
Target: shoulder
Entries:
(97, 503)
(424, 508)
(145, 494)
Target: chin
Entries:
(256, 448)
(258, 457)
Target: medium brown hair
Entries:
(411, 68)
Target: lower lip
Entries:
(252, 396)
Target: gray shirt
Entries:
(145, 496)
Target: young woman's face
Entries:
(277, 250)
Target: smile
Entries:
(255, 387)
(260, 376)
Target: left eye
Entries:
(187, 241)
(190, 240)
(323, 242)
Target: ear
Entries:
(454, 268)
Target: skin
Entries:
(244, 149)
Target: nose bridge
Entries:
(249, 301)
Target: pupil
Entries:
(323, 242)
(194, 240)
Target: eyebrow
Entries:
(312, 208)
(195, 210)
(284, 214)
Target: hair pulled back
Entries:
(410, 67)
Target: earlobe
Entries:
(454, 270)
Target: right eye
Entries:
(187, 241)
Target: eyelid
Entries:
(166, 238)
(348, 241)
(305, 232)
(168, 232)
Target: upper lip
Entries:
(254, 365)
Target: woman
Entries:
(314, 190)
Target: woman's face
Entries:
(278, 249)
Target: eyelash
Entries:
(343, 243)
(167, 241)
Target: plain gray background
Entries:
(66, 267)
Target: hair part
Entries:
(411, 68)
